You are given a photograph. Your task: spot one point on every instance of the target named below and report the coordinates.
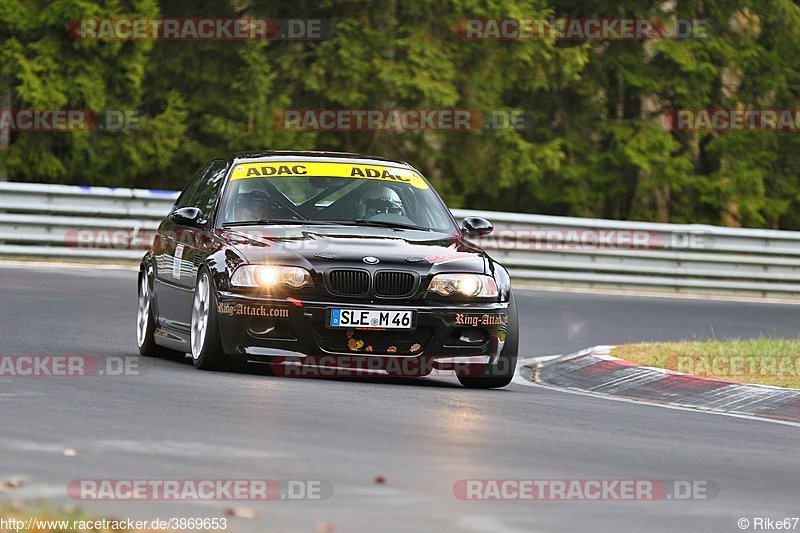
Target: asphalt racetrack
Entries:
(170, 421)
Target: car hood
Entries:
(323, 247)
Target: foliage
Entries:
(595, 146)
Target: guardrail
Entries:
(50, 221)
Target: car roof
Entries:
(261, 155)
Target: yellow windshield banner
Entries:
(280, 169)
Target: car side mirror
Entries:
(188, 216)
(476, 226)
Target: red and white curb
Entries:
(594, 371)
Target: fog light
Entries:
(472, 336)
(271, 328)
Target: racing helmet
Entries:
(251, 205)
(380, 199)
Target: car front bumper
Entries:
(282, 330)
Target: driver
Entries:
(253, 205)
(380, 199)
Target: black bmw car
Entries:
(325, 260)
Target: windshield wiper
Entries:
(386, 224)
(264, 221)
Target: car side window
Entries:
(203, 191)
(186, 196)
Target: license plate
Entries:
(362, 318)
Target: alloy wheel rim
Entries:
(143, 310)
(200, 316)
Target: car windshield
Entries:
(332, 193)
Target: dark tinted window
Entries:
(186, 196)
(203, 191)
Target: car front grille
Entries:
(349, 282)
(385, 283)
(371, 341)
(394, 284)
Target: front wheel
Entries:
(206, 344)
(502, 372)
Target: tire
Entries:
(500, 374)
(146, 322)
(205, 341)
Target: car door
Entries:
(180, 249)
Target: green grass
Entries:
(765, 361)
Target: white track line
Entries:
(519, 380)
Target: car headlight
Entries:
(270, 276)
(472, 285)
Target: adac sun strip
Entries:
(330, 170)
